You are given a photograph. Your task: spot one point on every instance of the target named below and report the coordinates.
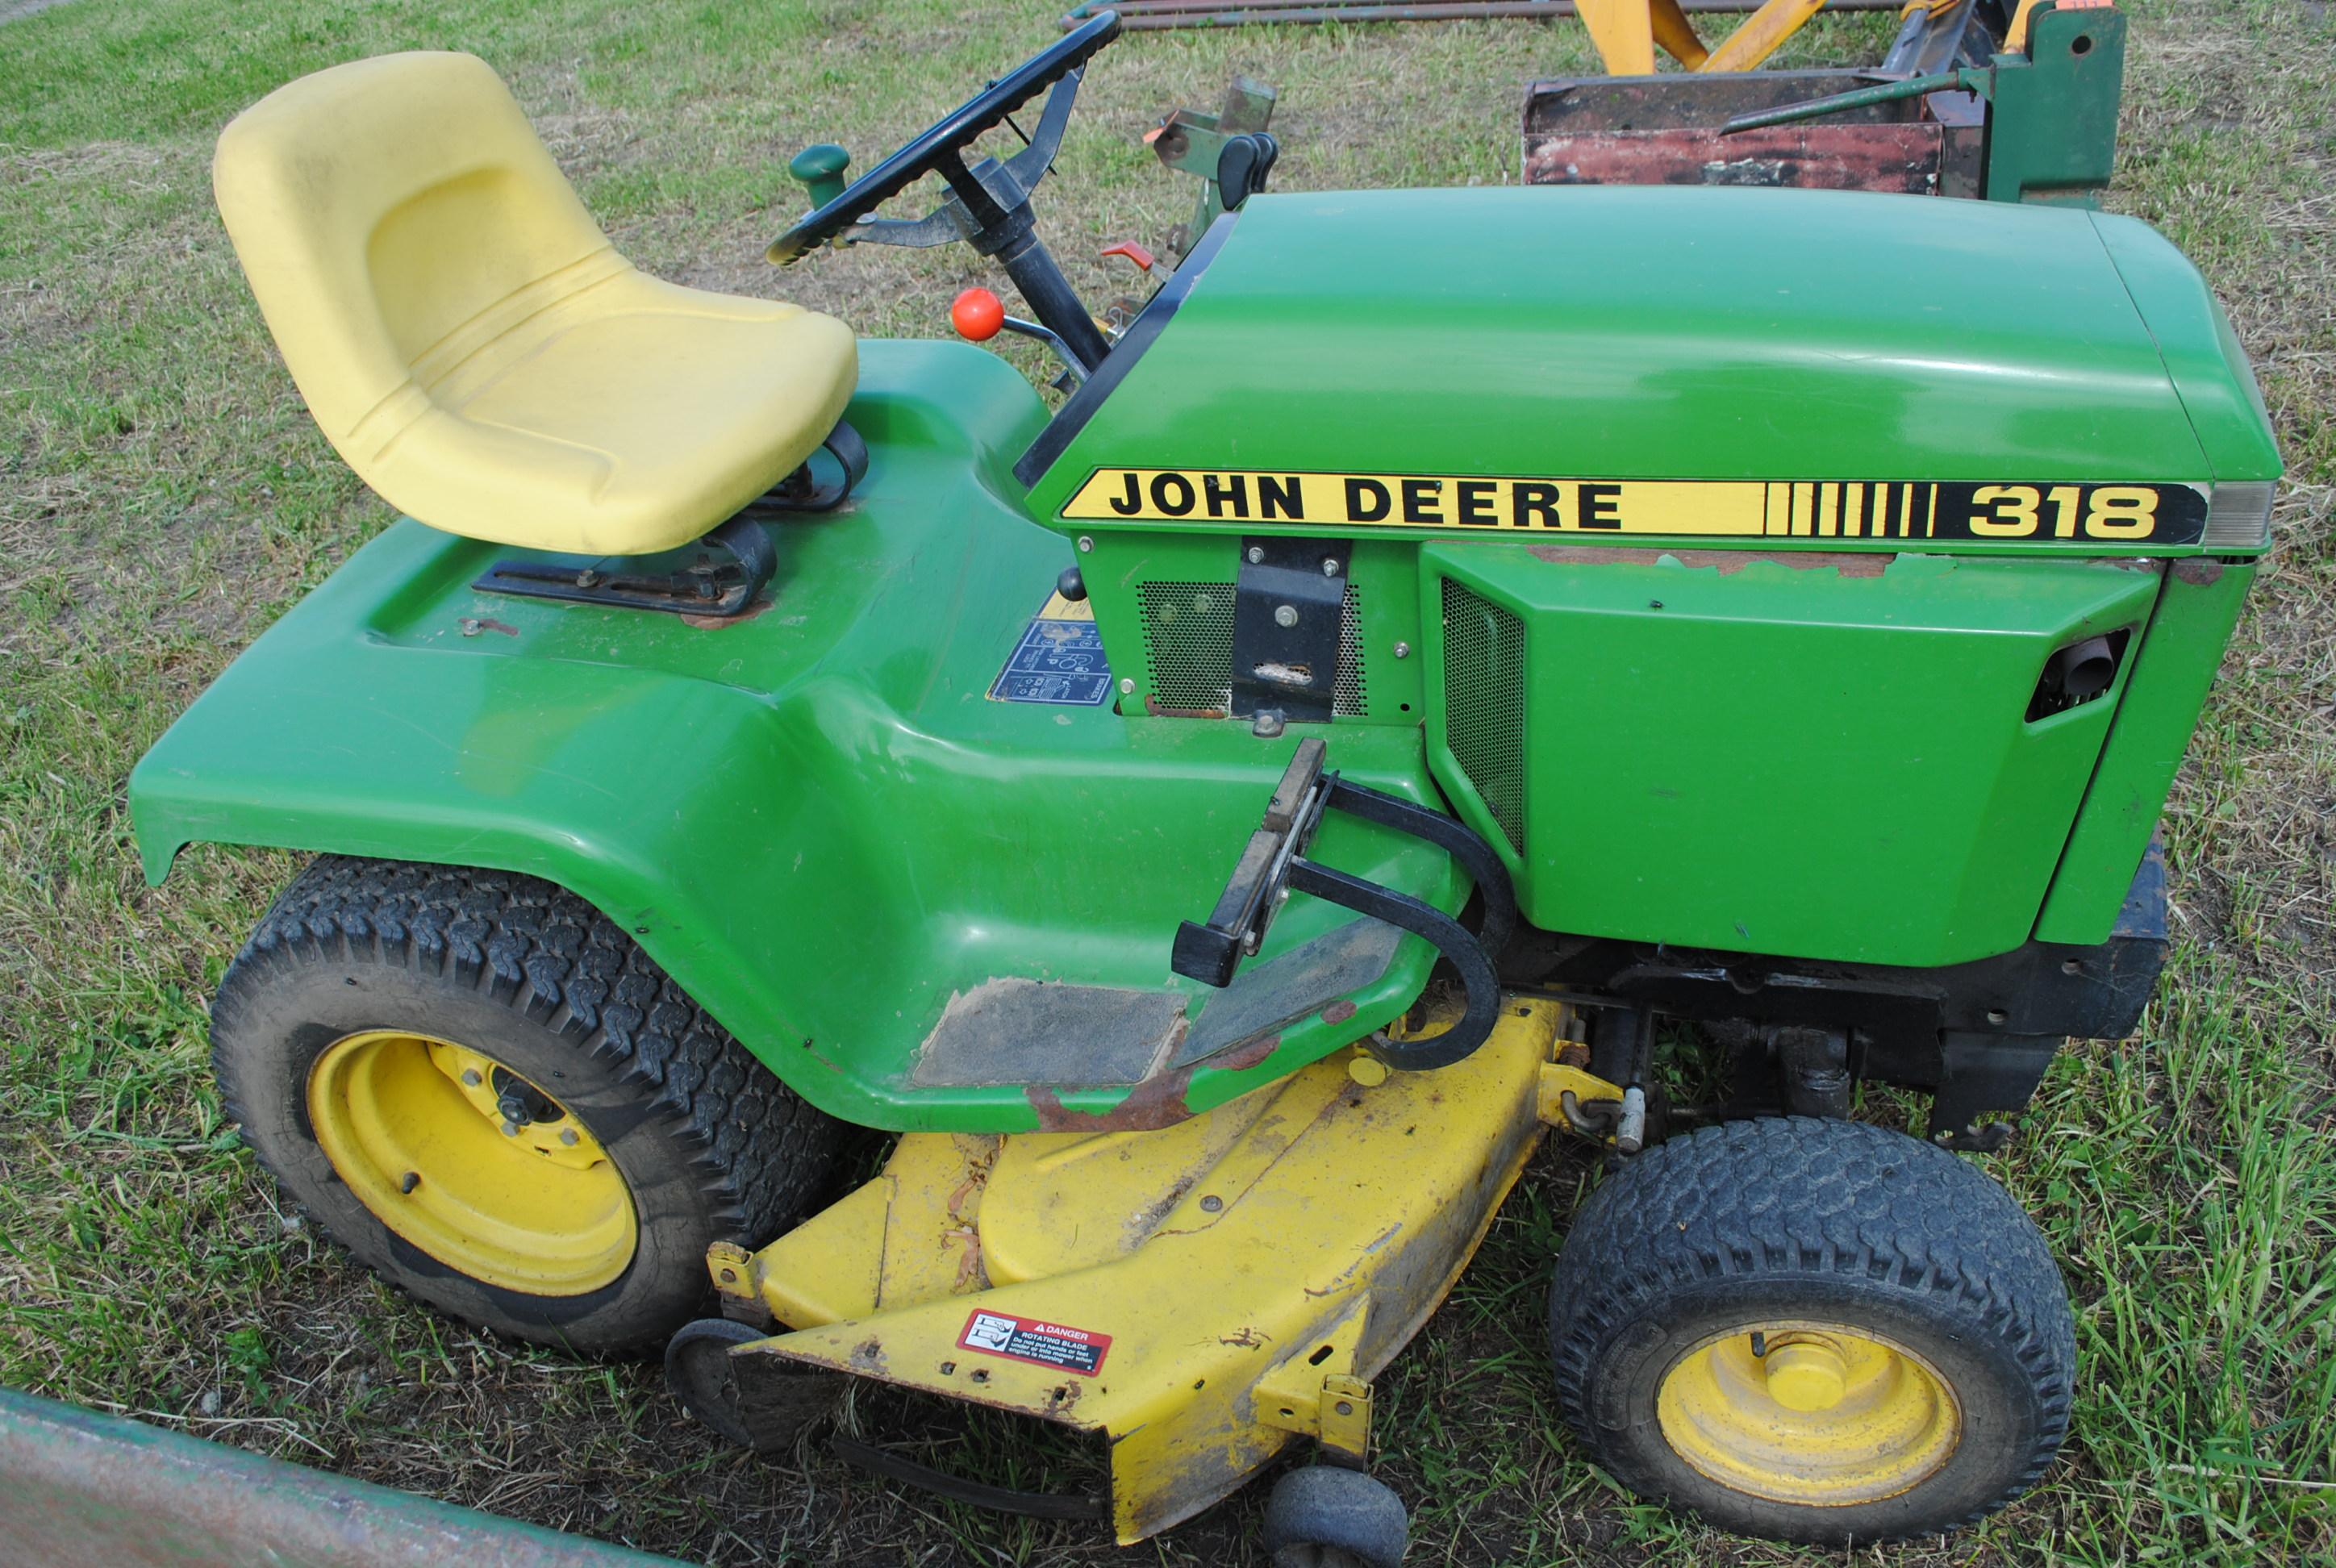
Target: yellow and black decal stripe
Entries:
(2156, 514)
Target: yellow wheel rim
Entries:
(1824, 1415)
(418, 1129)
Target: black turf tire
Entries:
(712, 1145)
(1832, 1220)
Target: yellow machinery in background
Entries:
(1629, 31)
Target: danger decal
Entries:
(2156, 514)
(1035, 1341)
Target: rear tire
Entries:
(437, 965)
(1915, 1354)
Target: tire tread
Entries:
(761, 1153)
(1807, 1194)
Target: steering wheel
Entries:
(942, 146)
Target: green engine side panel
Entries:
(1822, 757)
(2166, 688)
(816, 818)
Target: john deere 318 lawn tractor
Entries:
(1459, 663)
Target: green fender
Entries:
(816, 818)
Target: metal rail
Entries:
(81, 1488)
(1151, 16)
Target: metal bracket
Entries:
(1578, 1100)
(1320, 1397)
(1273, 864)
(711, 586)
(1289, 600)
(1193, 143)
(802, 490)
(738, 1283)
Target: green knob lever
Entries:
(821, 170)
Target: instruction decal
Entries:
(2156, 514)
(1037, 1341)
(1059, 659)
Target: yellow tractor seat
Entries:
(472, 345)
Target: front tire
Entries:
(489, 1095)
(1813, 1330)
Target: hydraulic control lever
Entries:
(1274, 865)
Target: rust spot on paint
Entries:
(868, 1356)
(1725, 562)
(761, 607)
(1338, 1012)
(473, 625)
(1154, 710)
(1902, 158)
(1158, 1102)
(1248, 1054)
(2198, 572)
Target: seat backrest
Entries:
(390, 207)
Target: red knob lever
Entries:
(977, 315)
(1133, 251)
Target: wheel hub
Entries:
(1809, 1413)
(1807, 1373)
(471, 1163)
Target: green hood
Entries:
(1684, 333)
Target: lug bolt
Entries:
(1212, 1204)
(510, 1129)
(568, 1136)
(1285, 615)
(408, 1182)
(471, 1079)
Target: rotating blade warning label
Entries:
(1037, 1341)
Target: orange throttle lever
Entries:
(979, 315)
(1136, 253)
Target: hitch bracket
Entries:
(1273, 864)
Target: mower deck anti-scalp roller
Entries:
(1455, 663)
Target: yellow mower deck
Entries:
(1201, 1294)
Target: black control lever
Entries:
(1273, 864)
(1242, 166)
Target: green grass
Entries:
(163, 496)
